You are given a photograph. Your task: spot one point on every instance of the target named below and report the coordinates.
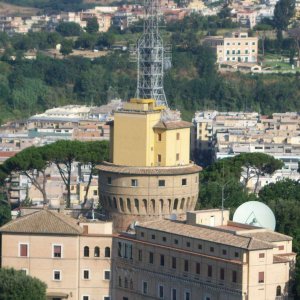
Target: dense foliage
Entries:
(32, 162)
(16, 285)
(193, 82)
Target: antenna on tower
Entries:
(152, 58)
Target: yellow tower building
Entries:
(149, 175)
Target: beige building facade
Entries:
(239, 48)
(178, 260)
(73, 258)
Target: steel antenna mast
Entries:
(150, 57)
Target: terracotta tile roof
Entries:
(43, 221)
(211, 234)
(8, 153)
(177, 170)
(283, 258)
(172, 125)
(268, 236)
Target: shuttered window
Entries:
(24, 250)
(261, 277)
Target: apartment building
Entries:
(201, 259)
(72, 257)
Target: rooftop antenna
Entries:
(151, 57)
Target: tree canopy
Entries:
(17, 285)
(69, 29)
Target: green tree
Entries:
(66, 47)
(31, 162)
(284, 11)
(283, 197)
(69, 29)
(93, 153)
(92, 25)
(64, 154)
(17, 285)
(256, 165)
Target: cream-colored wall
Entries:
(134, 138)
(40, 263)
(96, 286)
(90, 195)
(274, 274)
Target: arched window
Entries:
(109, 200)
(97, 252)
(145, 205)
(153, 205)
(161, 201)
(115, 203)
(126, 283)
(128, 205)
(122, 204)
(86, 251)
(175, 204)
(107, 252)
(278, 291)
(120, 281)
(169, 203)
(136, 204)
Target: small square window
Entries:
(159, 158)
(108, 180)
(134, 182)
(281, 247)
(142, 234)
(107, 275)
(56, 275)
(199, 246)
(261, 255)
(188, 244)
(161, 182)
(224, 251)
(85, 297)
(176, 242)
(177, 156)
(86, 274)
(153, 236)
(236, 254)
(184, 181)
(106, 298)
(95, 192)
(212, 249)
(164, 239)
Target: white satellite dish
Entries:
(255, 213)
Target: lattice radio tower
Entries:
(151, 57)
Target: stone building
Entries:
(201, 259)
(150, 175)
(72, 257)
